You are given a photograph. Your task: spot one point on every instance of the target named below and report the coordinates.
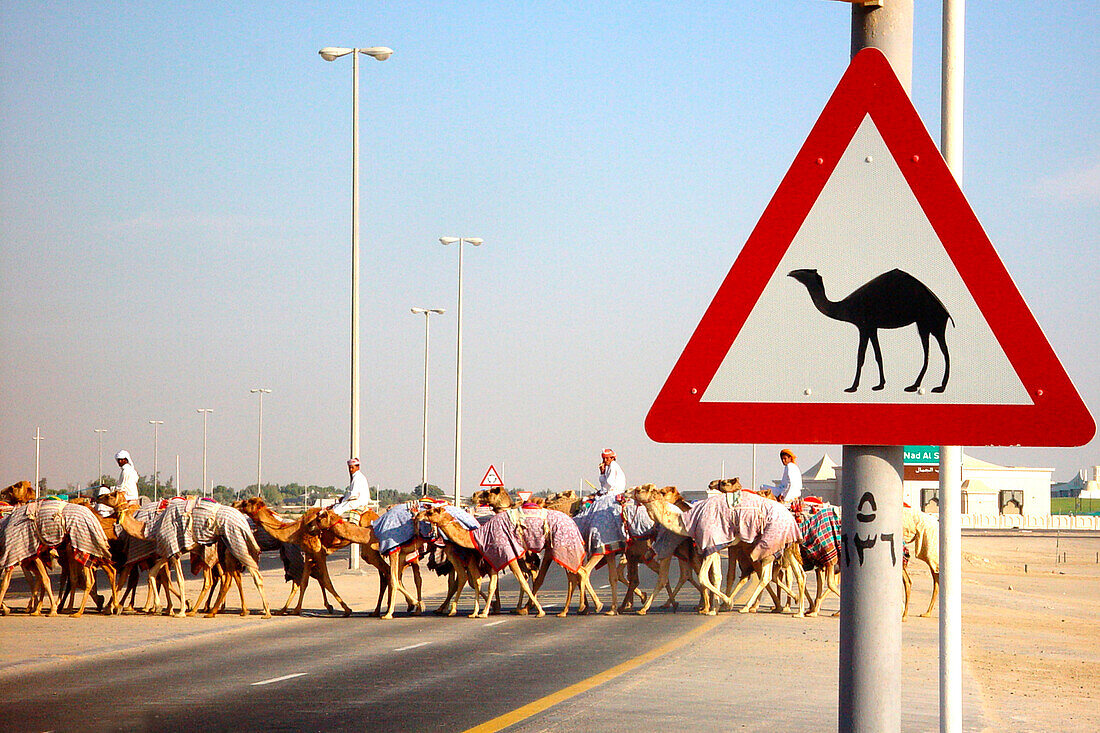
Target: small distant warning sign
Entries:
(492, 478)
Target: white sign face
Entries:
(866, 222)
(491, 478)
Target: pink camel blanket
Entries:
(509, 535)
(47, 523)
(765, 524)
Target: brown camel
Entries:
(218, 523)
(33, 568)
(314, 551)
(389, 568)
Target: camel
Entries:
(34, 569)
(508, 534)
(138, 553)
(73, 570)
(820, 547)
(564, 501)
(187, 523)
(314, 552)
(894, 299)
(714, 524)
(498, 499)
(922, 531)
(389, 567)
(290, 555)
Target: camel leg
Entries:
(819, 573)
(878, 358)
(395, 560)
(525, 588)
(587, 588)
(383, 587)
(259, 582)
(765, 573)
(941, 339)
(572, 581)
(707, 572)
(924, 367)
(455, 579)
(326, 582)
(206, 592)
(307, 567)
(179, 581)
(418, 582)
(613, 580)
(44, 579)
(662, 579)
(4, 589)
(89, 581)
(861, 353)
(907, 583)
(493, 580)
(935, 593)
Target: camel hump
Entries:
(895, 299)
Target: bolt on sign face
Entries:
(869, 306)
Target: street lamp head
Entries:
(476, 241)
(204, 409)
(260, 389)
(331, 53)
(418, 311)
(440, 311)
(448, 240)
(377, 52)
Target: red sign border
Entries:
(1057, 417)
(492, 470)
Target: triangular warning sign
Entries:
(868, 306)
(491, 478)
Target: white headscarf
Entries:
(124, 454)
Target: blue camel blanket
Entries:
(395, 527)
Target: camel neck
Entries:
(456, 533)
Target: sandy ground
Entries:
(1031, 643)
(1030, 637)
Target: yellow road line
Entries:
(522, 713)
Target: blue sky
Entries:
(175, 193)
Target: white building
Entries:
(987, 488)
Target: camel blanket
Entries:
(537, 528)
(496, 541)
(187, 523)
(765, 524)
(139, 548)
(665, 541)
(395, 527)
(639, 525)
(820, 537)
(922, 531)
(47, 523)
(601, 525)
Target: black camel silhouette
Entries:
(892, 300)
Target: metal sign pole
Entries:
(871, 495)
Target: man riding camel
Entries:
(357, 495)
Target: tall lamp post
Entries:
(205, 411)
(156, 435)
(331, 53)
(424, 466)
(476, 241)
(259, 433)
(100, 432)
(37, 453)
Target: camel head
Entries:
(116, 500)
(645, 493)
(809, 278)
(726, 485)
(434, 514)
(498, 498)
(315, 520)
(250, 506)
(19, 493)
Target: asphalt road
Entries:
(755, 672)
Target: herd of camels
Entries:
(769, 548)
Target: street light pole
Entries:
(37, 452)
(100, 432)
(205, 411)
(476, 241)
(259, 433)
(381, 53)
(424, 466)
(156, 435)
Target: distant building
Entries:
(1080, 486)
(987, 488)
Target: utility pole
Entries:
(950, 620)
(37, 453)
(100, 432)
(871, 487)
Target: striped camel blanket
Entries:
(187, 523)
(395, 527)
(46, 523)
(140, 548)
(601, 525)
(820, 537)
(764, 524)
